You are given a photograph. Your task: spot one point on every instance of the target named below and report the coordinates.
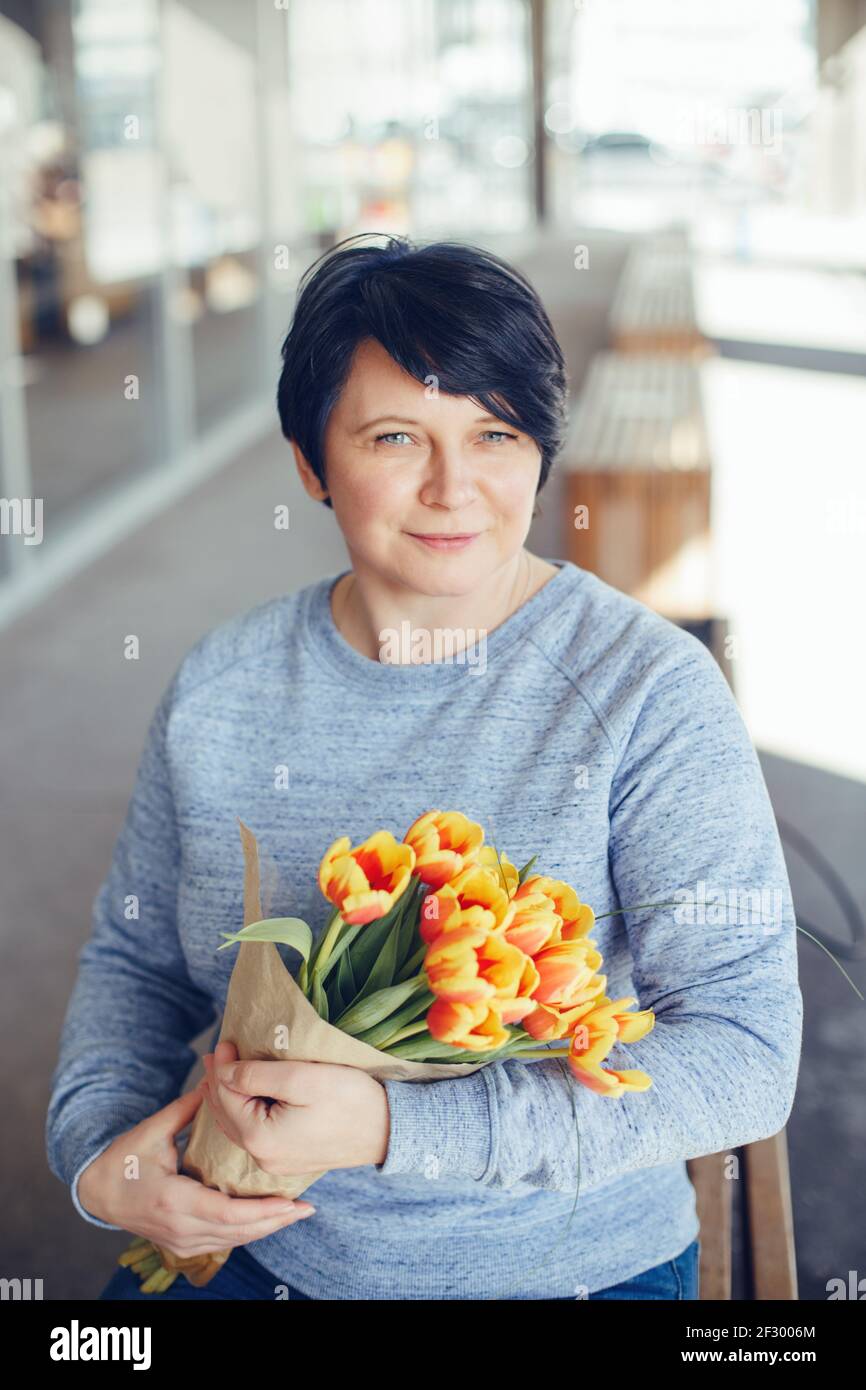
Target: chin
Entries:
(445, 574)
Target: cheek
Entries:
(364, 494)
(513, 485)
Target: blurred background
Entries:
(685, 184)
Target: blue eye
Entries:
(503, 434)
(394, 434)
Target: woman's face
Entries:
(403, 463)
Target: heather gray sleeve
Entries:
(690, 817)
(124, 1048)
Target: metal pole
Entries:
(14, 451)
(174, 355)
(539, 105)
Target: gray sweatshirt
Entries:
(585, 728)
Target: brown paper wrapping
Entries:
(263, 995)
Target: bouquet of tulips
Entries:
(439, 957)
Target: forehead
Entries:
(376, 385)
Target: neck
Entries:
(364, 605)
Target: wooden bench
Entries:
(653, 308)
(769, 1256)
(637, 459)
(770, 1270)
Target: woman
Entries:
(424, 393)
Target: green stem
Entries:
(412, 965)
(543, 1052)
(383, 1032)
(322, 949)
(634, 908)
(404, 1033)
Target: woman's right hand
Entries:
(172, 1210)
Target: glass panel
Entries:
(673, 111)
(411, 115)
(214, 150)
(77, 93)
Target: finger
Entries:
(208, 1205)
(291, 1082)
(226, 1052)
(223, 1237)
(204, 1236)
(238, 1111)
(232, 1125)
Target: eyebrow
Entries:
(400, 420)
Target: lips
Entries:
(444, 541)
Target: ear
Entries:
(307, 475)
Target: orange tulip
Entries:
(499, 865)
(564, 970)
(471, 899)
(550, 1021)
(593, 1038)
(365, 883)
(577, 919)
(477, 1027)
(445, 842)
(534, 921)
(470, 965)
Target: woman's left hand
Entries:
(298, 1117)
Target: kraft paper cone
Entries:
(262, 997)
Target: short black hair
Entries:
(446, 309)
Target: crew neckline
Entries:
(329, 646)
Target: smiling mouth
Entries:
(446, 538)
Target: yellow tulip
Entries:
(471, 899)
(488, 859)
(550, 1021)
(564, 970)
(470, 965)
(594, 1036)
(364, 883)
(445, 842)
(477, 1026)
(534, 921)
(577, 919)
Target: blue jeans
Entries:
(243, 1277)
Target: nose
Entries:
(448, 481)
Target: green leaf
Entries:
(525, 870)
(413, 964)
(382, 973)
(385, 1030)
(408, 927)
(340, 987)
(368, 945)
(372, 1009)
(346, 976)
(336, 999)
(344, 941)
(319, 999)
(320, 940)
(425, 1049)
(288, 931)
